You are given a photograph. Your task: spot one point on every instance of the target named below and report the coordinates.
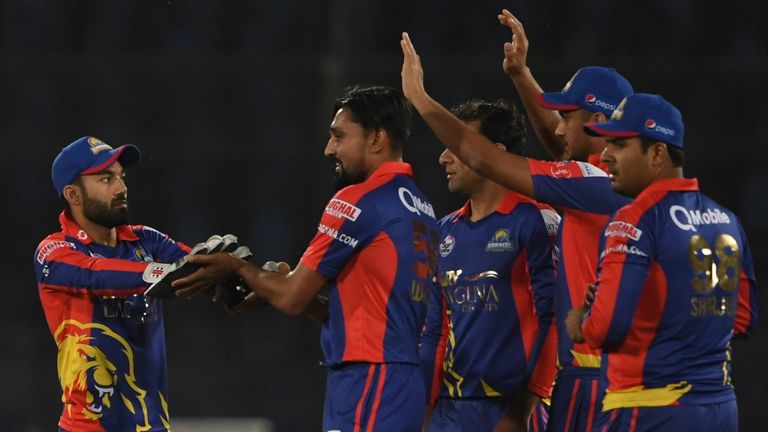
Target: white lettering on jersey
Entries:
(688, 220)
(414, 204)
(342, 209)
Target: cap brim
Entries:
(610, 128)
(556, 101)
(128, 155)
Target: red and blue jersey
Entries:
(582, 193)
(676, 282)
(110, 337)
(490, 311)
(377, 241)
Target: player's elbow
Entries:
(290, 305)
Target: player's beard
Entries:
(106, 215)
(346, 177)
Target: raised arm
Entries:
(470, 146)
(544, 121)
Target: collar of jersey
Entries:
(70, 228)
(669, 185)
(388, 168)
(509, 201)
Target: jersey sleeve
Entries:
(163, 248)
(624, 267)
(574, 185)
(538, 251)
(432, 344)
(344, 229)
(60, 266)
(746, 310)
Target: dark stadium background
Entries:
(230, 103)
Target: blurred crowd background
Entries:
(230, 103)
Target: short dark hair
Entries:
(379, 107)
(77, 181)
(676, 154)
(500, 121)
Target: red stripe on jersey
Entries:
(580, 242)
(565, 169)
(744, 308)
(437, 369)
(633, 422)
(592, 401)
(546, 366)
(361, 402)
(79, 259)
(365, 285)
(520, 282)
(574, 393)
(64, 302)
(377, 398)
(625, 367)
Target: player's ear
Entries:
(501, 146)
(379, 141)
(659, 153)
(73, 194)
(598, 117)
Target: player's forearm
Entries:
(543, 121)
(474, 149)
(274, 288)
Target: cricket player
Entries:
(676, 283)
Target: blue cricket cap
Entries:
(89, 155)
(593, 88)
(643, 114)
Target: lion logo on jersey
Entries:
(95, 365)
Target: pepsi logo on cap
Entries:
(590, 98)
(650, 124)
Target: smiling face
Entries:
(105, 197)
(631, 167)
(347, 147)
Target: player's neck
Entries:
(485, 200)
(98, 233)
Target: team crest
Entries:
(97, 145)
(446, 247)
(499, 242)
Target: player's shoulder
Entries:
(565, 169)
(51, 244)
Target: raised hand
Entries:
(515, 51)
(412, 74)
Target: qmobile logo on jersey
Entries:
(623, 229)
(342, 209)
(414, 204)
(593, 100)
(651, 124)
(688, 220)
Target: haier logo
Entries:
(688, 220)
(650, 124)
(414, 204)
